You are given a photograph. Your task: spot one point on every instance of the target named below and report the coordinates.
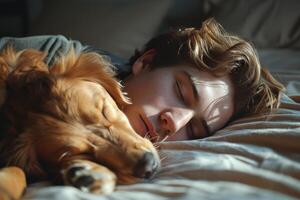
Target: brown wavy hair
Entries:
(212, 48)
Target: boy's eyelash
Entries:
(190, 131)
(179, 91)
(189, 127)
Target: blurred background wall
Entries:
(121, 26)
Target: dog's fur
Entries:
(64, 121)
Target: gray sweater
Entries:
(57, 45)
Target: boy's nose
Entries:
(173, 120)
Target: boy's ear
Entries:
(143, 62)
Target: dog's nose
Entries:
(146, 166)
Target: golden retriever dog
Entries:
(64, 122)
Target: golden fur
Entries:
(67, 117)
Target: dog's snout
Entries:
(146, 166)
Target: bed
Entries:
(255, 157)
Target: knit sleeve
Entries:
(54, 45)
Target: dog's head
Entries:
(70, 111)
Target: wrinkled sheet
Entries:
(256, 157)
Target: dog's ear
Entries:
(30, 76)
(21, 152)
(8, 58)
(4, 70)
(30, 60)
(93, 67)
(3, 76)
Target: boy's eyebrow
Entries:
(195, 91)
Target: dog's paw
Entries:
(94, 179)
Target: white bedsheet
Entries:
(253, 158)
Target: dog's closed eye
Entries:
(108, 111)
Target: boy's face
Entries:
(167, 102)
